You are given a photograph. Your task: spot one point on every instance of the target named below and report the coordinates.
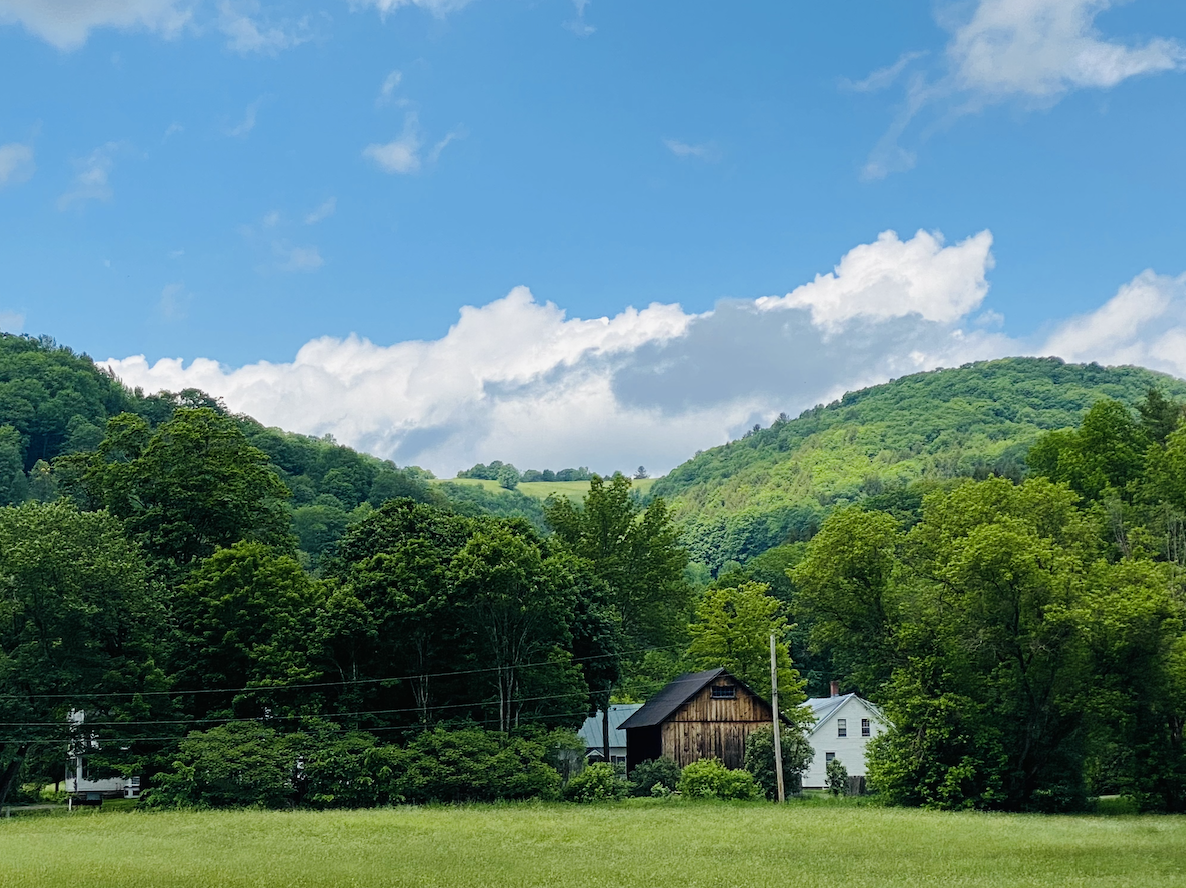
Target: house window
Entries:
(828, 756)
(841, 727)
(724, 692)
(864, 727)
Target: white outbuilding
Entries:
(844, 725)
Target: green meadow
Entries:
(541, 490)
(644, 843)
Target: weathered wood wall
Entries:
(705, 726)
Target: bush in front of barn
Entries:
(710, 779)
(759, 760)
(656, 772)
(246, 764)
(597, 783)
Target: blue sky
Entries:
(290, 204)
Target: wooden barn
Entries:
(698, 715)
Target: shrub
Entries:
(710, 779)
(657, 772)
(473, 765)
(237, 764)
(796, 757)
(597, 783)
(837, 778)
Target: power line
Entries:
(326, 684)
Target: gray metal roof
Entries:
(677, 692)
(618, 712)
(822, 707)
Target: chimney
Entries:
(835, 688)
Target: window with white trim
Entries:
(865, 727)
(841, 727)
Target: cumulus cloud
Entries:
(399, 155)
(12, 321)
(92, 180)
(517, 379)
(1144, 323)
(66, 24)
(16, 163)
(247, 32)
(1028, 51)
(892, 278)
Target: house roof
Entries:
(677, 692)
(824, 708)
(618, 712)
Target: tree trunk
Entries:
(9, 775)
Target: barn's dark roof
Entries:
(678, 692)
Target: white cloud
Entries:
(174, 302)
(248, 123)
(683, 149)
(66, 24)
(578, 25)
(439, 8)
(246, 33)
(390, 83)
(516, 379)
(327, 209)
(882, 77)
(297, 258)
(92, 179)
(892, 278)
(400, 155)
(1144, 323)
(16, 163)
(1028, 51)
(12, 321)
(1042, 48)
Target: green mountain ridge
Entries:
(776, 485)
(735, 501)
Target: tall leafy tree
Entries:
(636, 551)
(246, 619)
(732, 628)
(80, 631)
(190, 486)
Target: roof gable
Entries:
(823, 708)
(677, 692)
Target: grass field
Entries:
(646, 843)
(541, 490)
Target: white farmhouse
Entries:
(844, 725)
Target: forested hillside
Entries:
(54, 403)
(778, 484)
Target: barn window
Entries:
(724, 692)
(841, 727)
(864, 727)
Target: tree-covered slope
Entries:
(777, 484)
(55, 402)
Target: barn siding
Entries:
(705, 727)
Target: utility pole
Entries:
(782, 797)
(609, 688)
